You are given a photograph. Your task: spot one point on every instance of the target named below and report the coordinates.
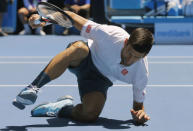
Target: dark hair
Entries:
(141, 40)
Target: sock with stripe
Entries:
(41, 80)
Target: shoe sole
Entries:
(18, 104)
(36, 107)
(24, 101)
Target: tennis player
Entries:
(110, 54)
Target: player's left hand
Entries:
(139, 116)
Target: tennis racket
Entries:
(53, 14)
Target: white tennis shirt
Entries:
(105, 43)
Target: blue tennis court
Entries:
(169, 94)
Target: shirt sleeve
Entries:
(94, 31)
(103, 34)
(140, 83)
(139, 91)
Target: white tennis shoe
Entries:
(27, 96)
(51, 109)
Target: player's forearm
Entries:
(138, 106)
(78, 20)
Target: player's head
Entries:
(138, 46)
(141, 40)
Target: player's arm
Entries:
(139, 92)
(78, 20)
(138, 113)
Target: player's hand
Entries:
(32, 21)
(139, 116)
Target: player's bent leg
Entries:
(72, 56)
(92, 105)
(93, 87)
(89, 110)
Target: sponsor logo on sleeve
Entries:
(124, 71)
(88, 29)
(126, 41)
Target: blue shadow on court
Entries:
(58, 122)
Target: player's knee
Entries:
(91, 114)
(77, 52)
(81, 48)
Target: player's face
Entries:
(130, 56)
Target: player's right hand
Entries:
(140, 116)
(32, 21)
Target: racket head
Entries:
(54, 14)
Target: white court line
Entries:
(21, 62)
(47, 57)
(169, 57)
(46, 62)
(113, 85)
(25, 57)
(165, 62)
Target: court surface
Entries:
(169, 99)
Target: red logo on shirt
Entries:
(126, 41)
(124, 71)
(88, 29)
(143, 93)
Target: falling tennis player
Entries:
(109, 54)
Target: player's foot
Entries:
(51, 109)
(27, 96)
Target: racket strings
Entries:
(61, 20)
(54, 15)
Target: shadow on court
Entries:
(57, 122)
